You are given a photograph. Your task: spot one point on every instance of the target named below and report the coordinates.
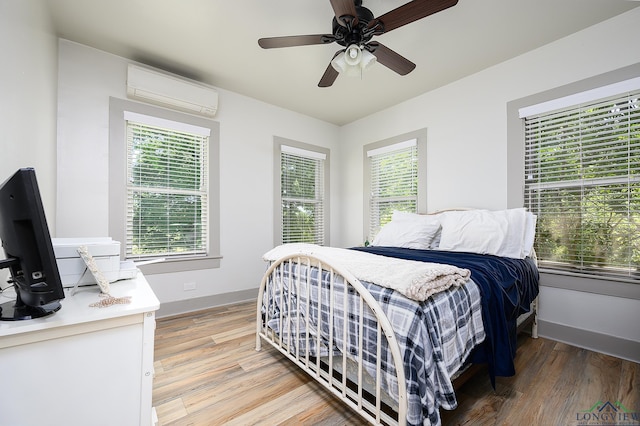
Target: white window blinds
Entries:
(582, 179)
(302, 195)
(167, 193)
(394, 182)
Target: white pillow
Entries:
(408, 230)
(435, 243)
(500, 233)
(430, 222)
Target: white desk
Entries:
(84, 366)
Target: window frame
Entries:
(278, 142)
(118, 176)
(421, 144)
(577, 281)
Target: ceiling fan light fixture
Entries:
(339, 63)
(353, 55)
(368, 59)
(353, 61)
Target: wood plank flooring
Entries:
(208, 373)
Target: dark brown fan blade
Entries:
(330, 74)
(343, 8)
(292, 41)
(412, 11)
(391, 59)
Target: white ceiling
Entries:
(215, 41)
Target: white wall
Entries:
(28, 73)
(87, 77)
(466, 125)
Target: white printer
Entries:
(104, 250)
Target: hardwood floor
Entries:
(208, 373)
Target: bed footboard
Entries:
(325, 321)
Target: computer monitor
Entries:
(28, 249)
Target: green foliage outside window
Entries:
(302, 199)
(583, 182)
(166, 190)
(394, 185)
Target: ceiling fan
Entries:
(353, 27)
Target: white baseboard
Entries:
(598, 342)
(178, 307)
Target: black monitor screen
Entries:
(28, 249)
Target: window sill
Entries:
(181, 265)
(625, 288)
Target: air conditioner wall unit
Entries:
(169, 91)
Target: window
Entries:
(164, 195)
(582, 179)
(393, 179)
(302, 182)
(167, 193)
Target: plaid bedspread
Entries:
(507, 286)
(435, 337)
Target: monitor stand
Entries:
(15, 310)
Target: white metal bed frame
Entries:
(352, 394)
(372, 412)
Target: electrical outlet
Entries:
(189, 286)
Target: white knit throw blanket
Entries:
(416, 280)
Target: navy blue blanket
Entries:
(508, 286)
